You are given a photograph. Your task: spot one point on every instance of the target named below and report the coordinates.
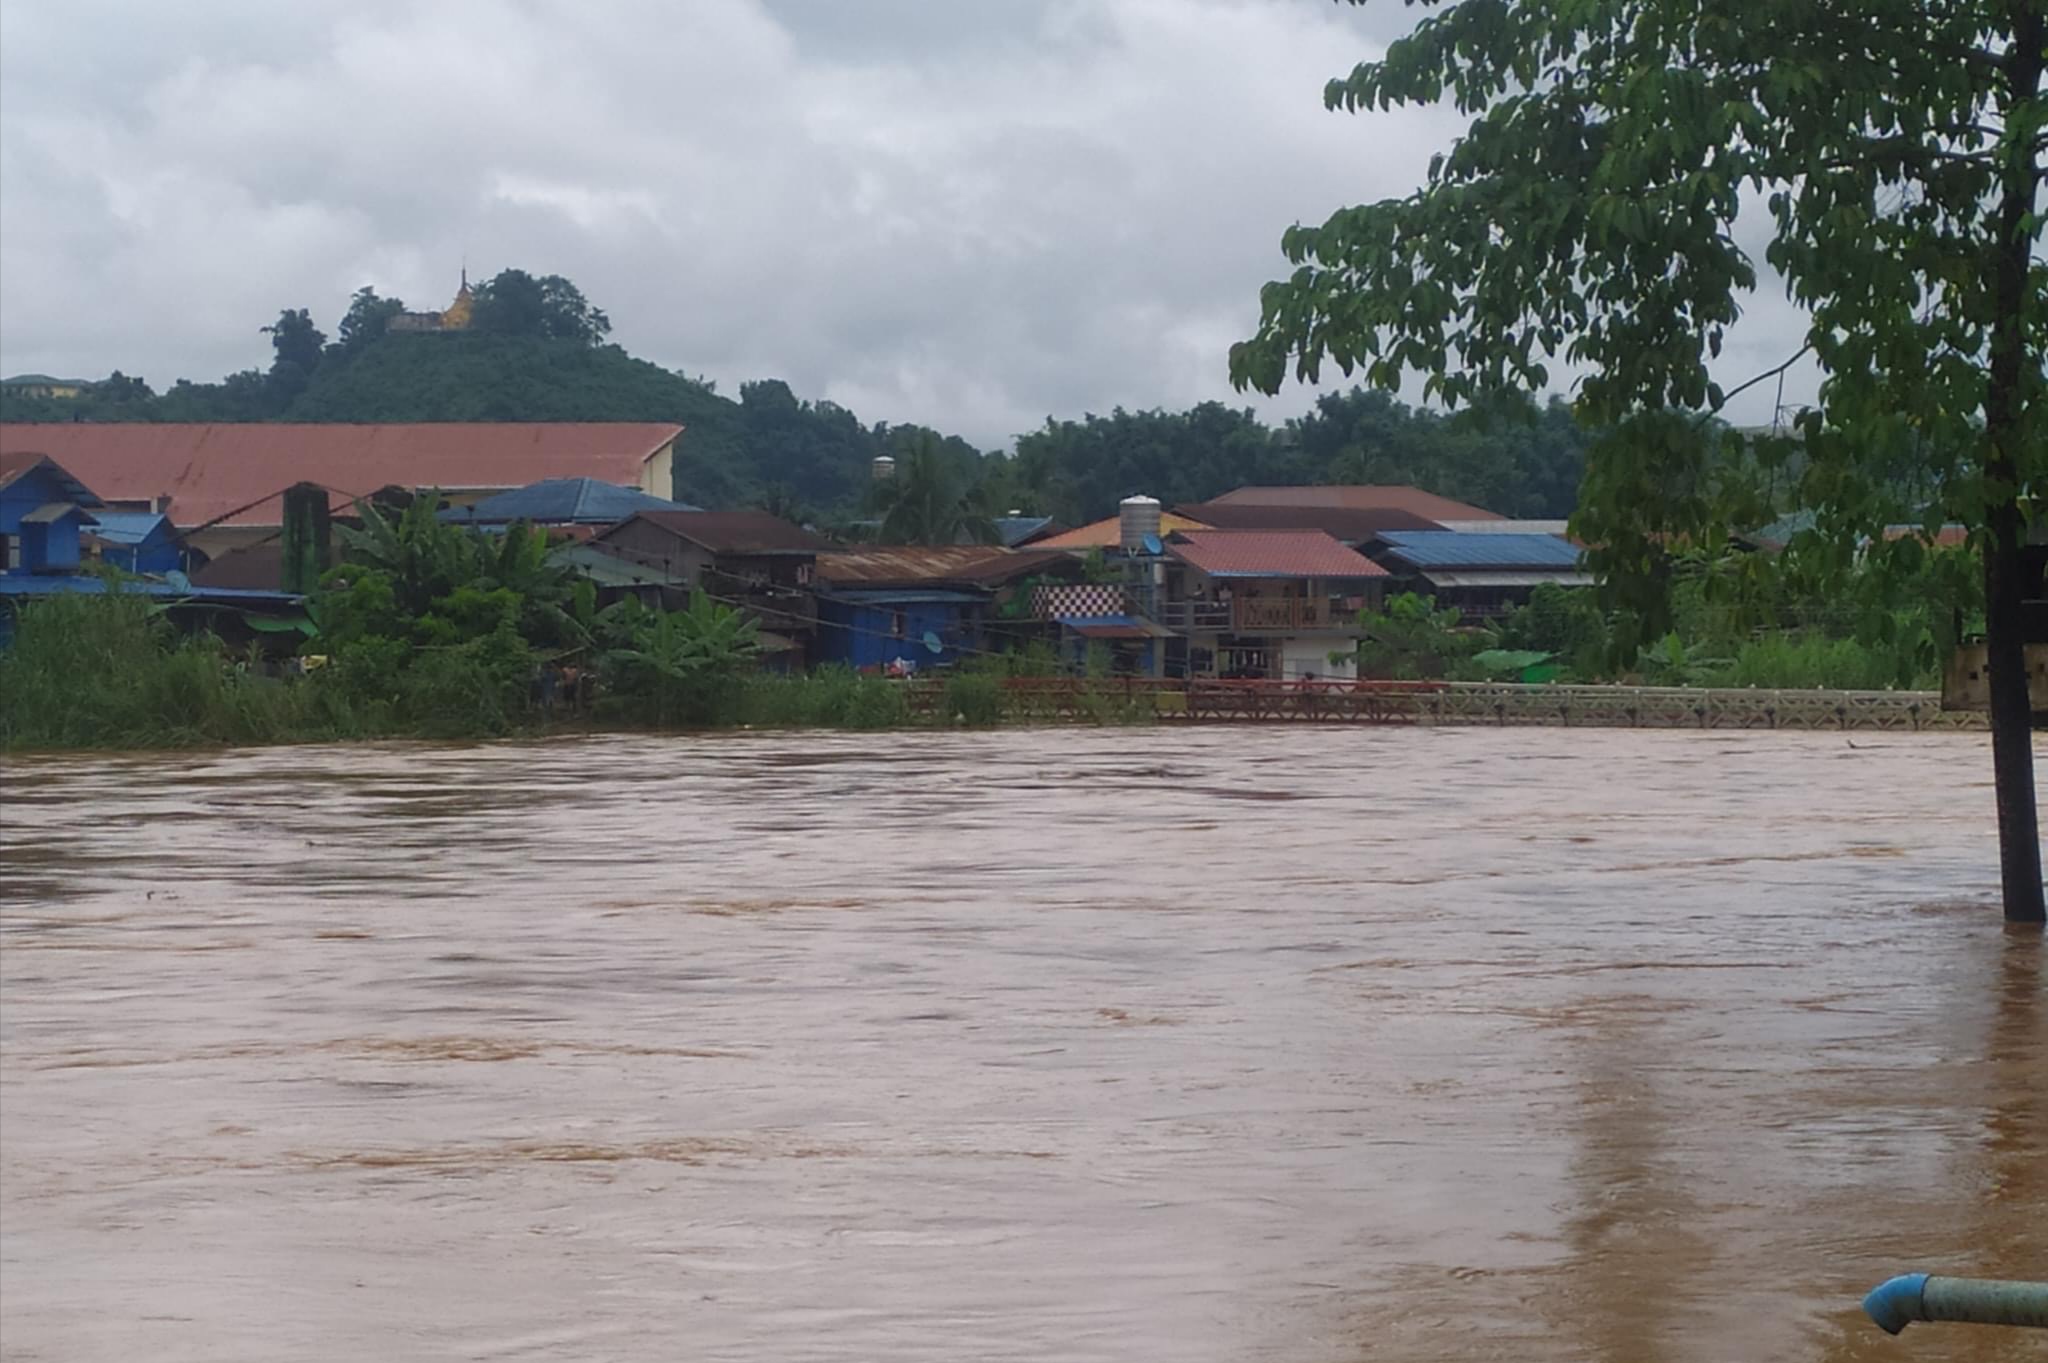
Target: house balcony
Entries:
(1287, 615)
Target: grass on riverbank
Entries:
(107, 671)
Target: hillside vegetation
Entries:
(537, 350)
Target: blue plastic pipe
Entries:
(1899, 1302)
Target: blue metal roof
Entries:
(1011, 529)
(1458, 549)
(882, 596)
(562, 501)
(84, 584)
(128, 527)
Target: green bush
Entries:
(973, 698)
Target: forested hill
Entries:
(535, 350)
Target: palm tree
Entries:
(929, 499)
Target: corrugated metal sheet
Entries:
(980, 565)
(18, 464)
(1108, 533)
(1456, 549)
(129, 527)
(563, 501)
(1271, 554)
(909, 596)
(215, 472)
(1360, 496)
(1015, 530)
(1113, 627)
(1501, 527)
(737, 532)
(1349, 524)
(1443, 577)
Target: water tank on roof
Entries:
(1137, 520)
(884, 468)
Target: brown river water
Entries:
(1225, 1044)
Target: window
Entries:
(10, 553)
(898, 624)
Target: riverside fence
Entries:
(1418, 702)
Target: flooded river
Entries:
(1217, 1045)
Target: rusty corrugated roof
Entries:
(231, 474)
(1270, 553)
(1360, 497)
(981, 565)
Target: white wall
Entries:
(1309, 654)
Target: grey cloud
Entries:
(974, 215)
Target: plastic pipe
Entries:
(1900, 1301)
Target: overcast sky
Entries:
(971, 213)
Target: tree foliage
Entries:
(931, 498)
(1594, 213)
(515, 303)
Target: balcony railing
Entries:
(1281, 615)
(1194, 617)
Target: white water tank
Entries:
(1137, 521)
(884, 468)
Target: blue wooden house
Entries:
(137, 542)
(929, 606)
(44, 512)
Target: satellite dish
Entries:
(178, 581)
(933, 642)
(1153, 546)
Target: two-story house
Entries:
(1266, 604)
(749, 559)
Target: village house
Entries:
(49, 523)
(1272, 604)
(576, 507)
(1481, 574)
(930, 607)
(751, 560)
(44, 512)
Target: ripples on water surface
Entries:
(1225, 1045)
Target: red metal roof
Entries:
(1359, 497)
(231, 474)
(1270, 553)
(982, 565)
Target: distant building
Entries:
(759, 563)
(1352, 525)
(1106, 533)
(1271, 604)
(565, 503)
(1481, 574)
(456, 317)
(930, 606)
(44, 513)
(43, 386)
(222, 484)
(136, 542)
(1358, 497)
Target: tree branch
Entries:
(1752, 382)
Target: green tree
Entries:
(515, 303)
(297, 344)
(1590, 211)
(930, 499)
(367, 319)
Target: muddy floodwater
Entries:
(1229, 1044)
